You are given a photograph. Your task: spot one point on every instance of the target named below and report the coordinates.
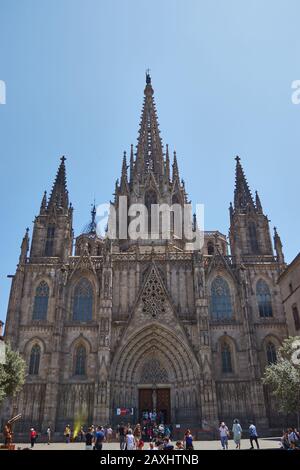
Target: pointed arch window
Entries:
(41, 298)
(252, 233)
(221, 306)
(296, 317)
(34, 362)
(210, 248)
(263, 297)
(50, 240)
(271, 353)
(83, 301)
(150, 198)
(226, 359)
(80, 361)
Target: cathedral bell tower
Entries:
(249, 226)
(52, 231)
(149, 181)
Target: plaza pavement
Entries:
(265, 443)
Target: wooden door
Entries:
(164, 403)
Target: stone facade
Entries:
(289, 282)
(117, 323)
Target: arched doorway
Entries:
(155, 368)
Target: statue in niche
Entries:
(106, 284)
(200, 281)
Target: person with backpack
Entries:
(99, 438)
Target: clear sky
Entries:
(75, 73)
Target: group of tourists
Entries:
(237, 434)
(132, 438)
(290, 439)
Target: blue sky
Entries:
(75, 73)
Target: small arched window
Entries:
(221, 307)
(210, 248)
(83, 301)
(34, 362)
(263, 297)
(296, 317)
(226, 359)
(41, 298)
(252, 234)
(80, 361)
(271, 353)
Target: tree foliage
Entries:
(12, 374)
(283, 377)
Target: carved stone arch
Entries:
(35, 340)
(176, 353)
(182, 365)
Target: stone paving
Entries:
(265, 443)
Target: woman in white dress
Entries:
(237, 433)
(130, 441)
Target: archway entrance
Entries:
(155, 404)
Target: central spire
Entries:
(149, 146)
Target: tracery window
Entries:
(221, 306)
(41, 298)
(263, 297)
(271, 353)
(80, 361)
(226, 359)
(34, 362)
(83, 301)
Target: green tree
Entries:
(283, 377)
(12, 374)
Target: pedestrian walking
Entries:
(99, 438)
(130, 440)
(48, 432)
(224, 432)
(237, 433)
(67, 434)
(188, 440)
(33, 437)
(89, 438)
(122, 436)
(137, 434)
(253, 435)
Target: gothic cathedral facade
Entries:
(133, 325)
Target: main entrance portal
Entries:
(155, 400)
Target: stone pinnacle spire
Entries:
(59, 196)
(149, 147)
(258, 203)
(242, 194)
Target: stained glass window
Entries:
(221, 307)
(263, 297)
(83, 301)
(34, 362)
(271, 353)
(41, 298)
(226, 359)
(80, 361)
